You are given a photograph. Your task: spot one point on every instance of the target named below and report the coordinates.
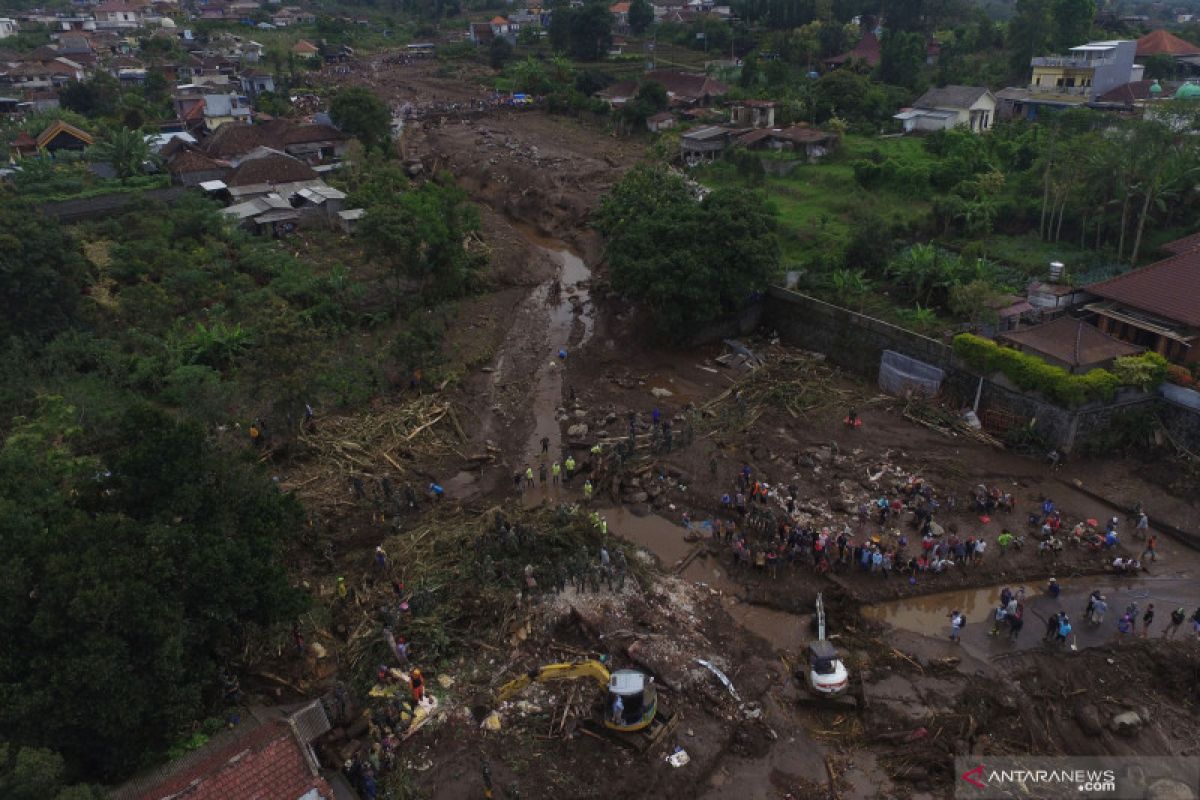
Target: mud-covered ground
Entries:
(536, 178)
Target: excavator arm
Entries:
(555, 672)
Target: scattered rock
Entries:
(578, 430)
(658, 391)
(636, 497)
(1126, 724)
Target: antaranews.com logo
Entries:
(1101, 777)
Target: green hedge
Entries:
(1031, 373)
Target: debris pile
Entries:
(385, 442)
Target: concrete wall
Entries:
(855, 343)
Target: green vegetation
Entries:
(128, 578)
(687, 262)
(585, 33)
(1031, 373)
(141, 542)
(419, 237)
(359, 111)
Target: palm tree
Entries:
(125, 149)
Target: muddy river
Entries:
(929, 614)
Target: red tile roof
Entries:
(867, 49)
(1161, 43)
(1070, 341)
(187, 161)
(277, 168)
(687, 85)
(1184, 245)
(228, 141)
(305, 48)
(1169, 288)
(1127, 93)
(265, 764)
(801, 134)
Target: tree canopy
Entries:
(585, 33)
(359, 111)
(641, 16)
(420, 234)
(688, 262)
(42, 273)
(126, 574)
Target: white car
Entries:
(826, 673)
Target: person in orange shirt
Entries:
(418, 686)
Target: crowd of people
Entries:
(1008, 618)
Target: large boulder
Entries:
(578, 430)
(1126, 723)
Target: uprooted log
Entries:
(378, 445)
(795, 382)
(945, 421)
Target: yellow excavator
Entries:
(629, 714)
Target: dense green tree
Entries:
(127, 572)
(688, 262)
(641, 16)
(650, 99)
(1072, 21)
(585, 33)
(42, 273)
(96, 97)
(1029, 35)
(854, 98)
(905, 15)
(902, 57)
(751, 74)
(359, 111)
(499, 52)
(420, 237)
(36, 773)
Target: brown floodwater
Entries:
(784, 631)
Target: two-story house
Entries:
(1080, 77)
(116, 14)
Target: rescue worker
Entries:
(418, 686)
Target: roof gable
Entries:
(1071, 341)
(271, 168)
(60, 127)
(868, 49)
(1169, 288)
(1160, 42)
(951, 97)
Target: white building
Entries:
(971, 107)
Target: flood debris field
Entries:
(660, 569)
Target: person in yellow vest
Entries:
(570, 465)
(529, 477)
(587, 491)
(555, 472)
